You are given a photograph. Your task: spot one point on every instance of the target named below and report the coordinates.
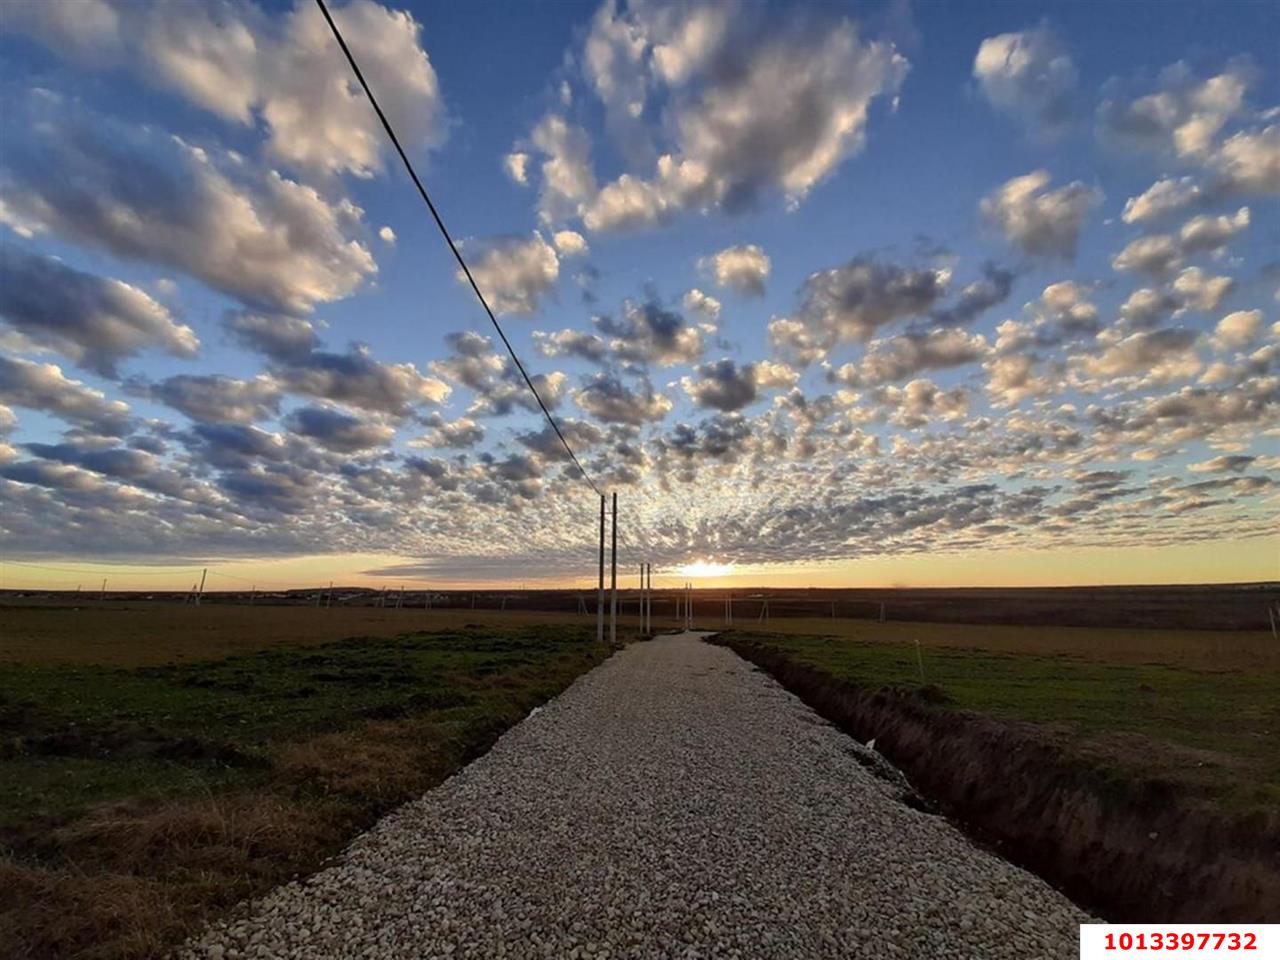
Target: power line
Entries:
(386, 125)
(170, 572)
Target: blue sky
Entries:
(829, 291)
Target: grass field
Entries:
(157, 767)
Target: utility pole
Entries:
(200, 593)
(613, 576)
(102, 594)
(648, 598)
(600, 587)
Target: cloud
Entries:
(256, 236)
(907, 354)
(649, 334)
(1012, 378)
(282, 338)
(1212, 234)
(705, 304)
(978, 297)
(1029, 76)
(571, 343)
(1238, 329)
(1158, 356)
(1182, 117)
(1223, 464)
(498, 385)
(921, 401)
(44, 388)
(1041, 222)
(726, 386)
(756, 106)
(580, 435)
(1188, 118)
(516, 165)
(219, 399)
(1066, 307)
(569, 243)
(852, 302)
(387, 236)
(1162, 198)
(742, 269)
(356, 379)
(567, 178)
(338, 431)
(1197, 290)
(286, 72)
(457, 434)
(514, 274)
(1156, 255)
(1249, 162)
(93, 321)
(609, 400)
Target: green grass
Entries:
(1218, 733)
(76, 736)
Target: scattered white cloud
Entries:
(255, 235)
(756, 106)
(94, 321)
(742, 269)
(514, 274)
(246, 66)
(1038, 221)
(569, 243)
(517, 166)
(44, 388)
(1238, 329)
(1030, 76)
(1164, 197)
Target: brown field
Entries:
(139, 633)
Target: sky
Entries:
(839, 293)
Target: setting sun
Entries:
(705, 568)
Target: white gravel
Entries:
(675, 802)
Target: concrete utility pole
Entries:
(648, 598)
(102, 594)
(640, 599)
(613, 576)
(600, 587)
(200, 593)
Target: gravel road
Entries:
(675, 802)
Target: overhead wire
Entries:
(453, 247)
